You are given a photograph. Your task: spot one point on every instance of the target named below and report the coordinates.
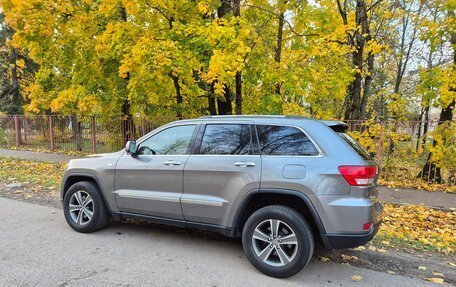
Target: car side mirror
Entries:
(131, 147)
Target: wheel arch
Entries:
(299, 201)
(73, 178)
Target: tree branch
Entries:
(373, 5)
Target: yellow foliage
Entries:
(420, 226)
(20, 63)
(18, 170)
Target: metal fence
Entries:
(73, 134)
(401, 147)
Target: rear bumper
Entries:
(344, 240)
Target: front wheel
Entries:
(278, 241)
(84, 207)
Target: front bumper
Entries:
(344, 240)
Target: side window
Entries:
(226, 139)
(282, 140)
(172, 141)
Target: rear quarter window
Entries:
(355, 145)
(284, 140)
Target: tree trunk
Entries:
(354, 101)
(179, 99)
(127, 125)
(423, 125)
(224, 103)
(367, 84)
(238, 87)
(211, 101)
(77, 131)
(238, 107)
(224, 8)
(430, 170)
(422, 140)
(405, 49)
(16, 105)
(278, 48)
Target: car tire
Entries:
(286, 251)
(84, 207)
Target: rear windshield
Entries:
(355, 145)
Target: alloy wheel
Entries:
(275, 242)
(81, 207)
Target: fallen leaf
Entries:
(348, 257)
(324, 259)
(372, 248)
(356, 278)
(390, 272)
(435, 280)
(422, 267)
(452, 264)
(360, 248)
(438, 274)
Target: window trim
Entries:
(199, 139)
(164, 128)
(317, 147)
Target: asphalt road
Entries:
(37, 248)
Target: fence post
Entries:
(380, 146)
(93, 132)
(143, 127)
(25, 129)
(51, 133)
(17, 130)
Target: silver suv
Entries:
(282, 183)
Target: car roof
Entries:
(277, 119)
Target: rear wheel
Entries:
(84, 207)
(278, 241)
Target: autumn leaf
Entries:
(19, 170)
(348, 257)
(418, 227)
(356, 278)
(435, 280)
(324, 259)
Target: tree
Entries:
(238, 86)
(363, 50)
(16, 69)
(443, 31)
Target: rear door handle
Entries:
(171, 162)
(244, 163)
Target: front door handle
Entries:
(171, 162)
(244, 163)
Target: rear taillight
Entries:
(358, 175)
(368, 226)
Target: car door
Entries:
(225, 165)
(150, 183)
(287, 154)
